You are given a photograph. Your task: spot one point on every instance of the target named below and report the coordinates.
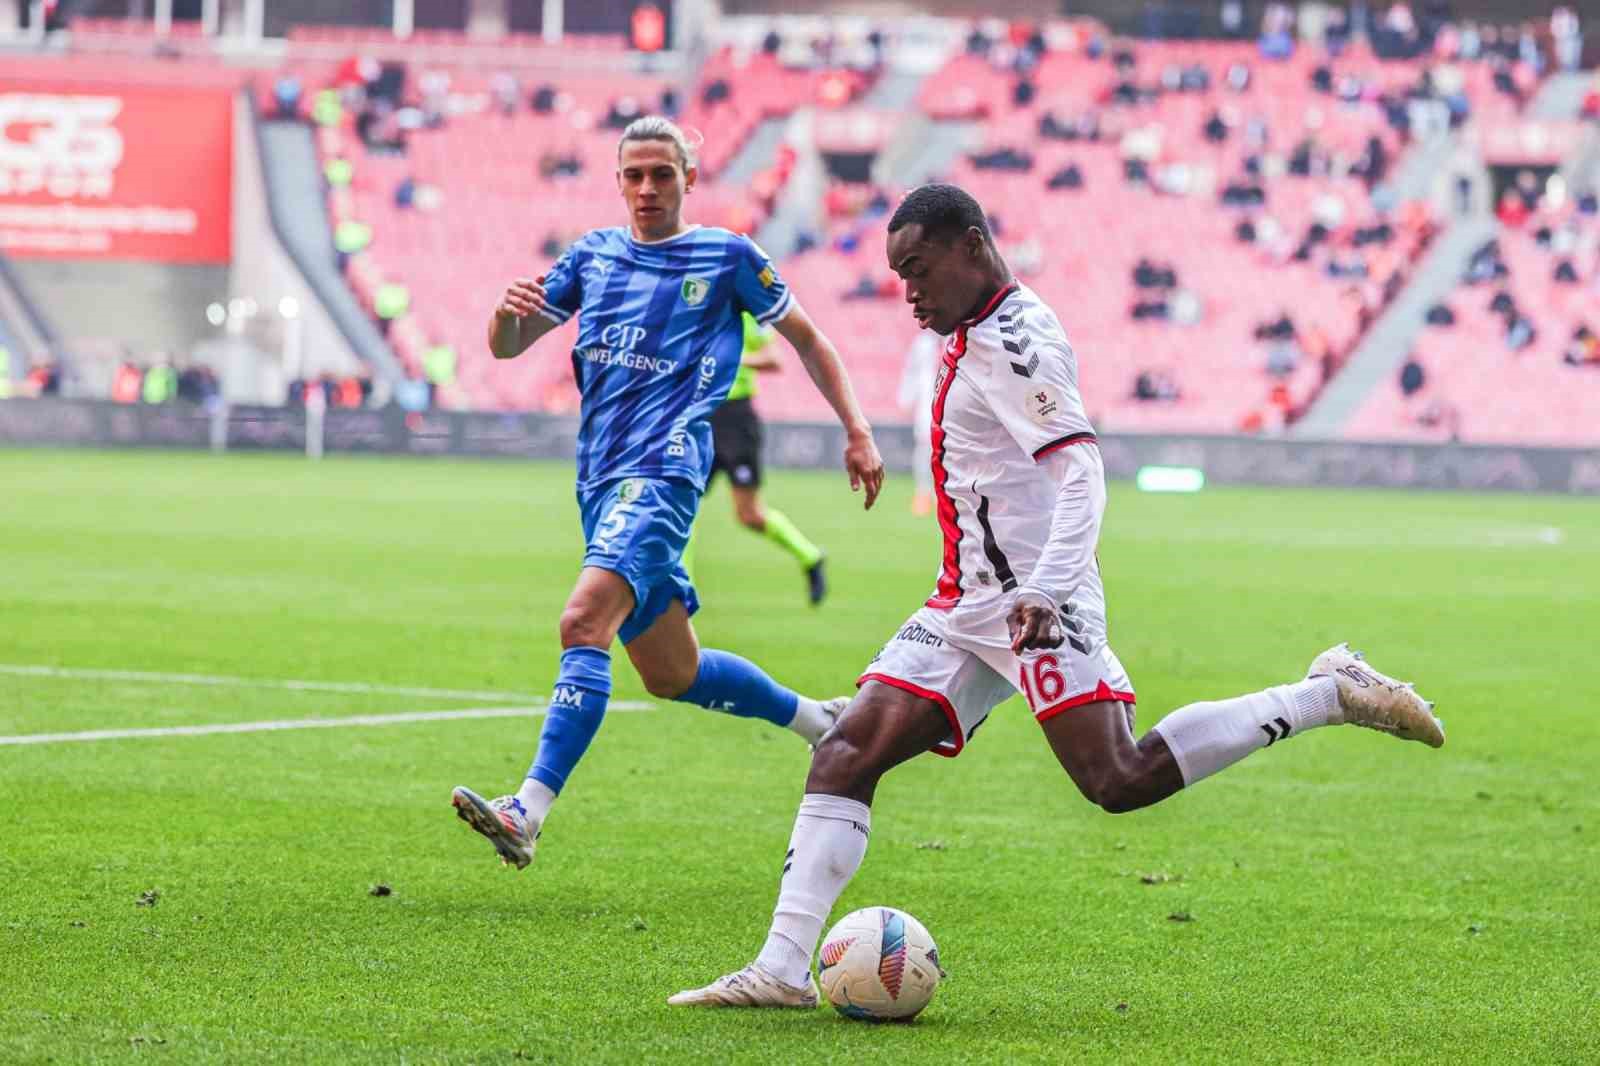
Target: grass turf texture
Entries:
(1350, 898)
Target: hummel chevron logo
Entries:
(788, 860)
(1272, 736)
(1018, 347)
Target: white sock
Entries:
(1206, 737)
(536, 798)
(810, 720)
(825, 850)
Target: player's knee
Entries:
(668, 681)
(583, 628)
(840, 768)
(1118, 790)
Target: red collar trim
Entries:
(994, 301)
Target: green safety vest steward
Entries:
(339, 172)
(756, 337)
(351, 236)
(160, 384)
(391, 300)
(439, 364)
(326, 109)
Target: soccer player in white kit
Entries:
(1018, 605)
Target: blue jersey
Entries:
(659, 341)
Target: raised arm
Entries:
(519, 319)
(822, 362)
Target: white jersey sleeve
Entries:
(1033, 384)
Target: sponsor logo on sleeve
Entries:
(768, 277)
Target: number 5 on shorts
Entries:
(1047, 684)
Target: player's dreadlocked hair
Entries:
(944, 211)
(656, 128)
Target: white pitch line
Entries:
(348, 687)
(296, 723)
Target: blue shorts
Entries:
(637, 528)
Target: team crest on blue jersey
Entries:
(695, 291)
(628, 491)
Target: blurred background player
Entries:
(1018, 607)
(916, 399)
(736, 437)
(659, 343)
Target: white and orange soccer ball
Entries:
(878, 964)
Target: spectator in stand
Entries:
(506, 91)
(1277, 32)
(1283, 358)
(1152, 386)
(1068, 177)
(1215, 129)
(543, 100)
(1583, 349)
(1486, 264)
(622, 112)
(1412, 377)
(286, 95)
(1280, 328)
(1566, 273)
(715, 91)
(1513, 209)
(1520, 331)
(1008, 159)
(1567, 37)
(127, 383)
(1441, 315)
(405, 192)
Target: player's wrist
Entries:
(858, 431)
(1030, 596)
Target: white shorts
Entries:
(970, 674)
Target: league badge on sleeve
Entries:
(1041, 403)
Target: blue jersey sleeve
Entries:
(563, 286)
(756, 283)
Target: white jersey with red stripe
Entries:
(1006, 396)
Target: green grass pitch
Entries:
(1349, 898)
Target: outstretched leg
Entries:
(673, 666)
(1095, 743)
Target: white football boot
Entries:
(504, 822)
(750, 987)
(1377, 701)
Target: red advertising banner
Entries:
(115, 172)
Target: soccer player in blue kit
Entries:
(659, 343)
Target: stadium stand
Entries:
(1516, 359)
(1179, 351)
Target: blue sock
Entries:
(576, 709)
(739, 687)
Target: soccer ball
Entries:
(879, 964)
